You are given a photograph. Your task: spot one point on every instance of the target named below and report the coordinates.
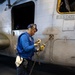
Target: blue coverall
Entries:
(26, 49)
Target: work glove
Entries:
(18, 61)
(37, 43)
(41, 48)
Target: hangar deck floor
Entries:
(7, 67)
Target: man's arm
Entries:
(25, 43)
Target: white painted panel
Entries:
(68, 25)
(64, 52)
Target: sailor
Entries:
(26, 48)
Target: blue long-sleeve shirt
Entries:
(26, 46)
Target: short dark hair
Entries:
(32, 26)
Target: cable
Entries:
(32, 68)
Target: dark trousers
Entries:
(24, 69)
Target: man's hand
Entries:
(37, 42)
(41, 48)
